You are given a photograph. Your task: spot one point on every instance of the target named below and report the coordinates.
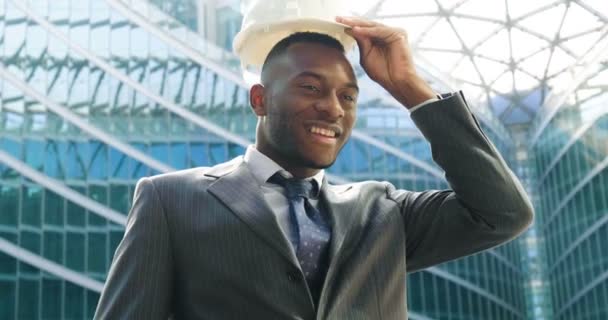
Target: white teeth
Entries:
(324, 132)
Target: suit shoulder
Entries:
(364, 187)
(198, 175)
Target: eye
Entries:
(349, 98)
(310, 87)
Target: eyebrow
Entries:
(320, 77)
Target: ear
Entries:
(256, 99)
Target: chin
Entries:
(321, 164)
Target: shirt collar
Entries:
(263, 167)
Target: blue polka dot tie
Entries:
(310, 229)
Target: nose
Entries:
(330, 106)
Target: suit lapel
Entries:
(339, 208)
(239, 191)
(346, 227)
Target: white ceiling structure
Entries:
(507, 54)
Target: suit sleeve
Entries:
(140, 277)
(486, 205)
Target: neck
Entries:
(296, 170)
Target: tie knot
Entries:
(295, 187)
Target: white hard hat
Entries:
(266, 22)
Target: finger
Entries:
(364, 43)
(356, 21)
(378, 32)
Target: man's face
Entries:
(310, 108)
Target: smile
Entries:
(324, 132)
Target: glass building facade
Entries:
(571, 148)
(96, 94)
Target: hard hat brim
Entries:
(253, 44)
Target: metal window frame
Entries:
(61, 189)
(82, 124)
(49, 266)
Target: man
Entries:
(234, 242)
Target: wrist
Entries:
(413, 91)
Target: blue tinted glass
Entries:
(361, 158)
(160, 152)
(11, 146)
(198, 155)
(91, 305)
(8, 264)
(53, 246)
(30, 241)
(235, 150)
(75, 214)
(119, 197)
(51, 298)
(98, 193)
(99, 162)
(53, 209)
(96, 260)
(343, 163)
(52, 162)
(75, 251)
(139, 169)
(218, 152)
(28, 291)
(179, 156)
(74, 301)
(7, 297)
(377, 160)
(118, 164)
(34, 153)
(31, 199)
(9, 206)
(74, 163)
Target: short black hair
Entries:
(311, 37)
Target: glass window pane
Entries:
(74, 163)
(51, 298)
(97, 252)
(137, 168)
(52, 162)
(53, 246)
(34, 153)
(30, 241)
(75, 214)
(92, 299)
(53, 209)
(8, 265)
(7, 299)
(9, 205)
(179, 156)
(119, 165)
(119, 198)
(31, 199)
(198, 155)
(75, 251)
(98, 193)
(74, 301)
(99, 163)
(11, 146)
(28, 291)
(218, 152)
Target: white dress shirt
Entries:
(262, 168)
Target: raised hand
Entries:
(387, 59)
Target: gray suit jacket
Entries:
(203, 244)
